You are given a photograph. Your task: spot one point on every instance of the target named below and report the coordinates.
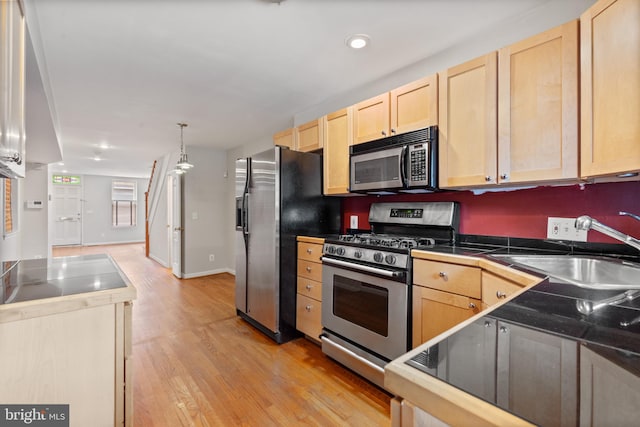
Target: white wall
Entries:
(546, 16)
(34, 222)
(97, 228)
(205, 213)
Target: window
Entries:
(123, 203)
(9, 197)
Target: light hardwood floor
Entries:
(198, 364)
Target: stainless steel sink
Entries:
(588, 272)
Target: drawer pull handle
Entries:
(442, 274)
(472, 305)
(504, 329)
(309, 251)
(308, 287)
(309, 269)
(500, 294)
(308, 307)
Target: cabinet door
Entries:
(495, 288)
(309, 316)
(537, 375)
(285, 138)
(415, 105)
(338, 134)
(610, 88)
(371, 119)
(609, 393)
(468, 132)
(538, 107)
(12, 90)
(309, 136)
(470, 359)
(434, 312)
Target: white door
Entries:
(67, 211)
(176, 226)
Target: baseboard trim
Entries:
(208, 273)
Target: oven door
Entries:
(378, 170)
(366, 309)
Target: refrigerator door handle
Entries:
(245, 225)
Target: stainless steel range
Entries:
(366, 283)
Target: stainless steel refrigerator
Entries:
(278, 197)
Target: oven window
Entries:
(377, 170)
(361, 303)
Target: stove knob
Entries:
(331, 250)
(390, 259)
(357, 254)
(378, 257)
(340, 251)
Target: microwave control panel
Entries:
(418, 159)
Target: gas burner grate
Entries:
(387, 241)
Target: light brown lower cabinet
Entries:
(436, 311)
(609, 392)
(81, 358)
(496, 288)
(309, 289)
(537, 375)
(406, 414)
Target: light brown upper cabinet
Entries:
(467, 126)
(285, 138)
(610, 88)
(338, 134)
(538, 107)
(371, 119)
(512, 118)
(414, 105)
(309, 136)
(407, 108)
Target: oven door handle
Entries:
(360, 267)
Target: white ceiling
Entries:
(123, 73)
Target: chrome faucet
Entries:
(586, 222)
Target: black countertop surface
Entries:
(34, 279)
(552, 307)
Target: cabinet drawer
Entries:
(310, 288)
(458, 279)
(496, 288)
(310, 270)
(309, 316)
(309, 251)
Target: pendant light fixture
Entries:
(183, 164)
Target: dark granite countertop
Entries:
(35, 279)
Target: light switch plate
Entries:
(353, 221)
(564, 229)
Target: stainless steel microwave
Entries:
(400, 163)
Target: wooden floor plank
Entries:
(196, 363)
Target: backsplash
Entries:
(524, 212)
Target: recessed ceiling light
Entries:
(358, 41)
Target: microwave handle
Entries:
(404, 166)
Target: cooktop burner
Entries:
(387, 241)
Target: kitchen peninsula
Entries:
(65, 329)
(539, 357)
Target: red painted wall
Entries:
(523, 213)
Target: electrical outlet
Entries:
(565, 229)
(212, 257)
(353, 221)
